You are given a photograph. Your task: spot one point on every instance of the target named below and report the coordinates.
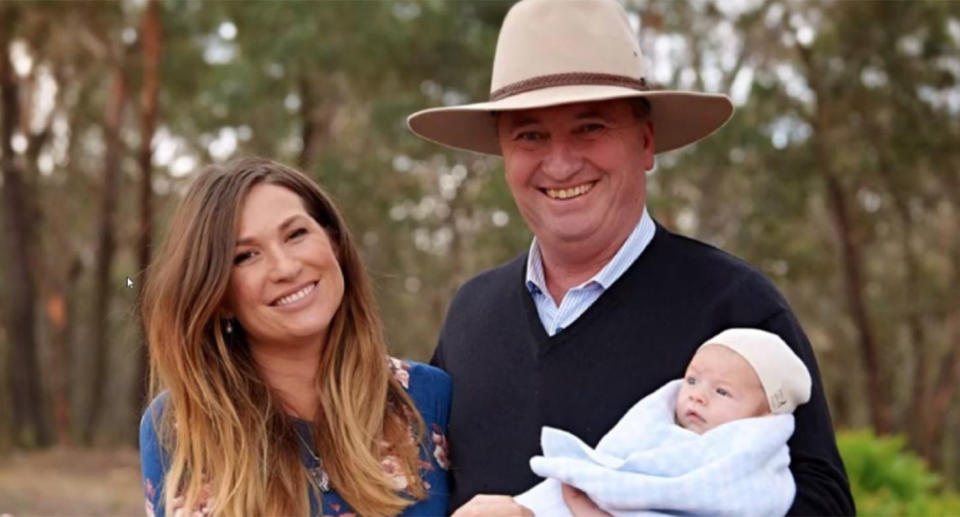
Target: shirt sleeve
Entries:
(431, 390)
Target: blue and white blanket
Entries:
(648, 465)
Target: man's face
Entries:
(578, 171)
(719, 387)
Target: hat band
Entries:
(568, 79)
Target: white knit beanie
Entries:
(784, 377)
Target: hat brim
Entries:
(679, 118)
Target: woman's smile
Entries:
(296, 300)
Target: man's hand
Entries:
(492, 506)
(580, 505)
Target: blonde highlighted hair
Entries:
(224, 427)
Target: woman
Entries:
(276, 393)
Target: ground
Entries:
(65, 482)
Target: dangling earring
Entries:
(229, 326)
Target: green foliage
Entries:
(887, 480)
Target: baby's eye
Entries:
(722, 392)
(691, 380)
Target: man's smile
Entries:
(570, 192)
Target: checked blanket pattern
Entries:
(648, 465)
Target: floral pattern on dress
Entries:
(150, 492)
(441, 450)
(400, 370)
(434, 459)
(337, 508)
(398, 477)
(204, 506)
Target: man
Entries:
(607, 305)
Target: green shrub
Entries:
(887, 480)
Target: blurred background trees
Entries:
(839, 176)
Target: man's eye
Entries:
(530, 136)
(591, 127)
(240, 258)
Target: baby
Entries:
(740, 373)
(697, 445)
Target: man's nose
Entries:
(562, 161)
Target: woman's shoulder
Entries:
(153, 412)
(430, 388)
(413, 374)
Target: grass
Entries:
(64, 482)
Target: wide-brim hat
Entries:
(555, 52)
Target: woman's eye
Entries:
(297, 233)
(240, 258)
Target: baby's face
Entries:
(719, 387)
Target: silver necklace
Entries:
(317, 475)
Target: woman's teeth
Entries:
(290, 298)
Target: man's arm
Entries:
(822, 485)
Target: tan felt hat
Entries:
(553, 52)
(784, 377)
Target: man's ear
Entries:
(649, 146)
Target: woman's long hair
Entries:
(225, 428)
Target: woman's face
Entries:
(285, 283)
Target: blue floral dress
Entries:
(430, 389)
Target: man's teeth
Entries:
(290, 298)
(567, 193)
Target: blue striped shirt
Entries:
(578, 299)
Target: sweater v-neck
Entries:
(547, 343)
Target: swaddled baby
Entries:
(714, 442)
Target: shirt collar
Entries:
(631, 248)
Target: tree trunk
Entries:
(853, 280)
(948, 377)
(105, 250)
(148, 105)
(850, 254)
(920, 396)
(29, 424)
(58, 365)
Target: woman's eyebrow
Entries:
(283, 226)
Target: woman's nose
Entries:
(284, 266)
